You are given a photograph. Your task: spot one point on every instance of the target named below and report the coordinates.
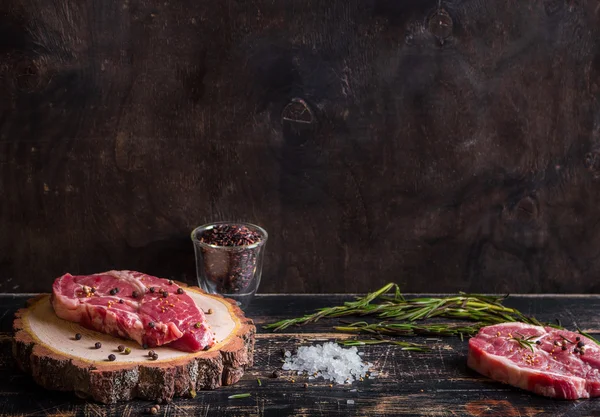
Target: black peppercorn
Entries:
(120, 301)
(134, 294)
(98, 345)
(275, 374)
(113, 291)
(206, 347)
(92, 290)
(121, 348)
(170, 282)
(165, 294)
(580, 344)
(537, 342)
(151, 353)
(152, 289)
(578, 338)
(564, 348)
(155, 356)
(111, 357)
(179, 290)
(77, 336)
(197, 325)
(151, 325)
(576, 350)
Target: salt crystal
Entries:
(330, 361)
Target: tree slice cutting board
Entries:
(45, 347)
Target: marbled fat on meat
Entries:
(149, 318)
(548, 370)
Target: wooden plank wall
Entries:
(445, 145)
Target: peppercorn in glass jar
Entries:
(229, 259)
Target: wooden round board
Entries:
(45, 347)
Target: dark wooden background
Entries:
(445, 145)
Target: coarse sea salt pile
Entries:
(331, 361)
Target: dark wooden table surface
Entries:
(414, 384)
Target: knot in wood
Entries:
(592, 161)
(440, 25)
(297, 111)
(526, 208)
(27, 76)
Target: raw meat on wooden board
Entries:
(550, 362)
(62, 355)
(152, 311)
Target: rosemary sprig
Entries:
(407, 346)
(581, 332)
(484, 310)
(410, 329)
(360, 306)
(524, 342)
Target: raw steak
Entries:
(133, 305)
(549, 370)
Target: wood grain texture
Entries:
(447, 144)
(410, 384)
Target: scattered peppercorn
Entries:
(209, 311)
(151, 325)
(580, 344)
(170, 282)
(111, 357)
(537, 342)
(576, 350)
(578, 338)
(93, 290)
(152, 289)
(155, 356)
(127, 351)
(98, 345)
(564, 348)
(121, 348)
(120, 301)
(113, 291)
(582, 352)
(179, 290)
(275, 374)
(197, 325)
(151, 353)
(134, 294)
(165, 294)
(206, 347)
(77, 336)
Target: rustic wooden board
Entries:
(45, 347)
(410, 384)
(452, 144)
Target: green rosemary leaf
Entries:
(588, 336)
(236, 396)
